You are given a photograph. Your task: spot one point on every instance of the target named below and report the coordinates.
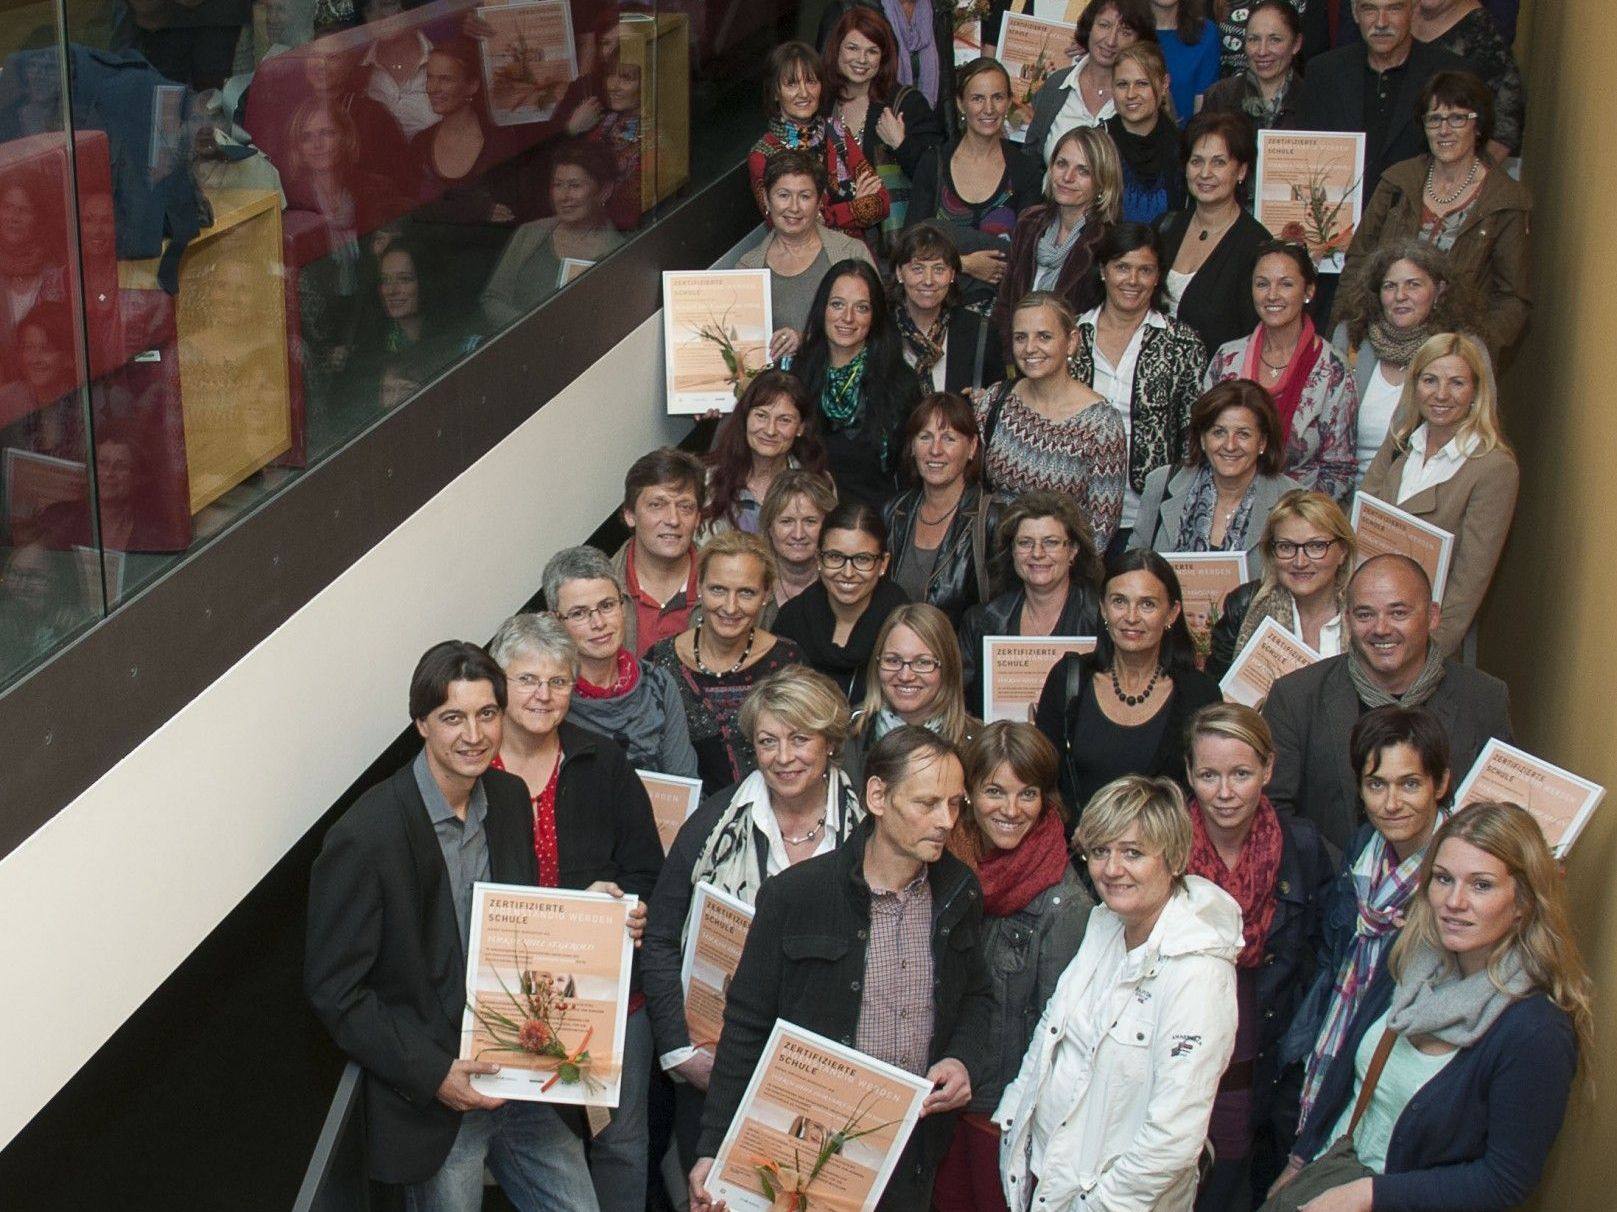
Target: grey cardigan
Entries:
(1162, 507)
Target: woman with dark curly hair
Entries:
(773, 428)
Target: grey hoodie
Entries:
(649, 722)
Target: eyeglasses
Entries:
(864, 561)
(891, 662)
(581, 614)
(1048, 545)
(1457, 120)
(527, 683)
(1314, 549)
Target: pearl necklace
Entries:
(807, 837)
(696, 653)
(1134, 700)
(1431, 180)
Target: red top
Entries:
(654, 620)
(544, 826)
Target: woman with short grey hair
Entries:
(636, 704)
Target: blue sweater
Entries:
(1474, 1138)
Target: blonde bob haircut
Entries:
(1155, 807)
(1320, 512)
(803, 700)
(1482, 422)
(737, 543)
(1105, 170)
(931, 627)
(1148, 57)
(1233, 721)
(1542, 938)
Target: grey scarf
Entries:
(1425, 686)
(1434, 1000)
(1050, 255)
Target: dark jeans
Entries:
(200, 55)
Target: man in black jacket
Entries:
(390, 902)
(876, 946)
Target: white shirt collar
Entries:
(423, 49)
(1455, 451)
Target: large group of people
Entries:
(1151, 949)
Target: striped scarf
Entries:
(1382, 890)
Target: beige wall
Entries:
(1550, 627)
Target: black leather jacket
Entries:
(1080, 615)
(965, 556)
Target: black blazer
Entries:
(1218, 301)
(383, 963)
(961, 368)
(1334, 90)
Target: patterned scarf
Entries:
(798, 136)
(1252, 882)
(814, 135)
(916, 46)
(1196, 523)
(1012, 878)
(926, 346)
(840, 397)
(1382, 888)
(1288, 393)
(1277, 604)
(1264, 114)
(1396, 346)
(1424, 687)
(729, 858)
(624, 679)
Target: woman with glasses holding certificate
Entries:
(1057, 591)
(836, 620)
(1308, 547)
(913, 678)
(718, 660)
(1457, 199)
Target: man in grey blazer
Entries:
(1390, 659)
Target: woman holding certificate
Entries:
(772, 429)
(1053, 246)
(1312, 388)
(1459, 200)
(1455, 1073)
(1082, 94)
(1279, 872)
(1048, 431)
(940, 531)
(797, 804)
(1122, 709)
(719, 660)
(1111, 1105)
(1446, 461)
(1058, 573)
(795, 507)
(852, 364)
(1407, 293)
(1308, 548)
(914, 678)
(1218, 501)
(592, 830)
(836, 620)
(1035, 909)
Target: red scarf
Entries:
(624, 679)
(1288, 393)
(1252, 883)
(1012, 878)
(545, 847)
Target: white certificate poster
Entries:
(819, 1121)
(673, 798)
(1032, 49)
(1310, 190)
(1560, 801)
(1205, 580)
(718, 930)
(1015, 668)
(1380, 528)
(1268, 656)
(547, 993)
(716, 326)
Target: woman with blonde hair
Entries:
(1454, 1078)
(1053, 246)
(1446, 461)
(795, 506)
(1278, 870)
(725, 653)
(1147, 134)
(1013, 834)
(1308, 549)
(913, 678)
(1110, 1108)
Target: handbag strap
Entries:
(1378, 1062)
(979, 546)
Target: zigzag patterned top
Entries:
(1084, 457)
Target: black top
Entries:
(807, 620)
(1218, 301)
(1103, 750)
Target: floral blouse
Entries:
(1320, 452)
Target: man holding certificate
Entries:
(390, 902)
(874, 946)
(1391, 659)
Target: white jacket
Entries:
(1136, 1110)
